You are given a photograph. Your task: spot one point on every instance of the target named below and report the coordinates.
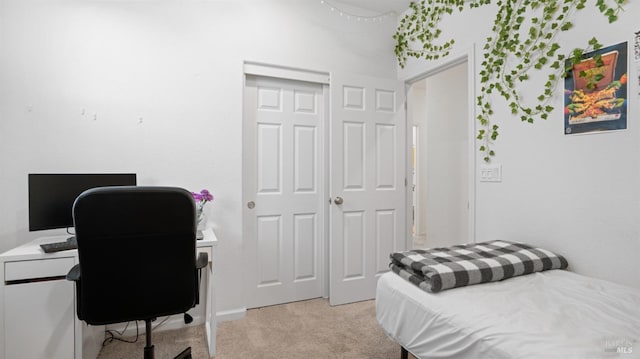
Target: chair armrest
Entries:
(203, 259)
(74, 273)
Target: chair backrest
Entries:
(136, 247)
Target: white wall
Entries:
(177, 65)
(578, 195)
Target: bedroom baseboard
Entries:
(233, 314)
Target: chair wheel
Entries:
(186, 354)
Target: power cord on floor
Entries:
(117, 335)
(112, 335)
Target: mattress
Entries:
(551, 314)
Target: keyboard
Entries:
(69, 244)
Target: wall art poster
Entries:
(596, 92)
(636, 47)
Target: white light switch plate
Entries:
(491, 173)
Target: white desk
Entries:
(37, 305)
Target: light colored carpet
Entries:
(307, 329)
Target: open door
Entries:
(368, 183)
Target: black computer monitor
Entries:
(51, 195)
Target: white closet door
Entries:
(368, 185)
(282, 186)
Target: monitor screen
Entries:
(51, 196)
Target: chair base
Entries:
(148, 349)
(148, 352)
(186, 354)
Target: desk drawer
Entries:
(34, 269)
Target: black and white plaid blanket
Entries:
(438, 269)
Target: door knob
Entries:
(251, 204)
(338, 200)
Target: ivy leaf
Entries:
(530, 48)
(566, 26)
(598, 60)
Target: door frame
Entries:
(252, 68)
(431, 69)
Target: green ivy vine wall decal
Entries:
(524, 38)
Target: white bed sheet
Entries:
(551, 314)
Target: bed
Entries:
(547, 314)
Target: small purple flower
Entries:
(203, 197)
(206, 195)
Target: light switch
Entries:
(491, 173)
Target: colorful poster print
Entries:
(636, 47)
(596, 92)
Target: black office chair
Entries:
(136, 249)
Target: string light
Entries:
(360, 18)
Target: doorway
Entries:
(443, 160)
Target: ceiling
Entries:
(380, 6)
